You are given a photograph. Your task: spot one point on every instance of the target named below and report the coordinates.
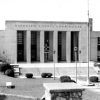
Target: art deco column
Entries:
(28, 46)
(68, 46)
(55, 46)
(42, 46)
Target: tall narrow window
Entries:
(98, 48)
(21, 46)
(61, 46)
(74, 44)
(33, 46)
(48, 46)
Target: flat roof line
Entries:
(62, 22)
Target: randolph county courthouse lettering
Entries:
(44, 41)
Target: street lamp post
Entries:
(76, 51)
(54, 63)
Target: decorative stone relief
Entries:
(57, 26)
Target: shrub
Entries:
(11, 87)
(4, 67)
(49, 75)
(9, 72)
(65, 78)
(94, 79)
(46, 75)
(43, 75)
(97, 64)
(29, 75)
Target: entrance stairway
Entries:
(60, 69)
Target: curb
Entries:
(21, 96)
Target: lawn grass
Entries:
(33, 88)
(28, 87)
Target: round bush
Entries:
(9, 72)
(94, 79)
(29, 75)
(65, 79)
(49, 75)
(46, 75)
(4, 67)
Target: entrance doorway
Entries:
(21, 46)
(74, 45)
(48, 46)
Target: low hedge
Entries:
(66, 79)
(29, 75)
(9, 72)
(46, 75)
(94, 79)
(4, 67)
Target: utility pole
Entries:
(88, 45)
(88, 76)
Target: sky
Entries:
(50, 10)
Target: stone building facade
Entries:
(44, 41)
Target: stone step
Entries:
(60, 69)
